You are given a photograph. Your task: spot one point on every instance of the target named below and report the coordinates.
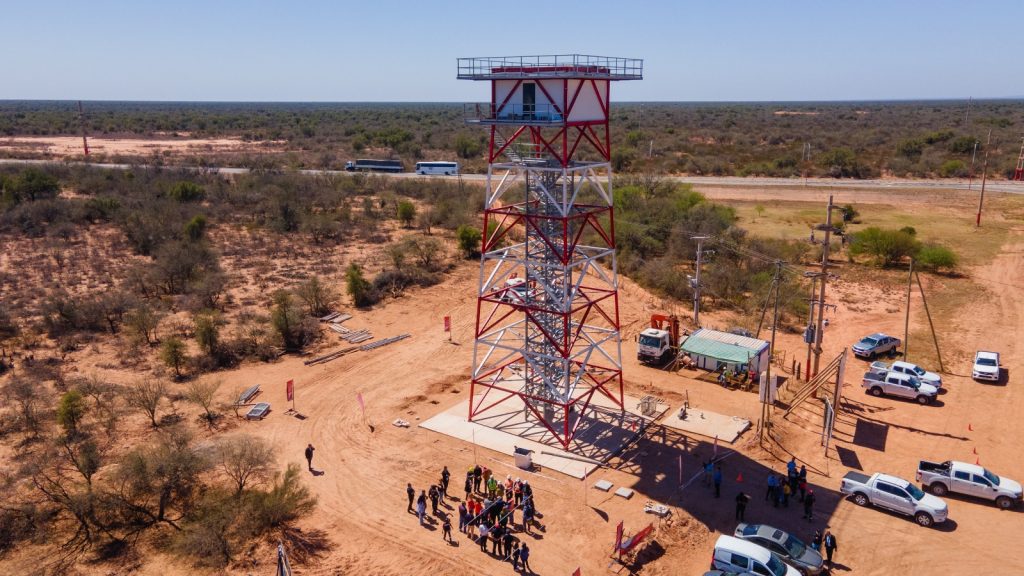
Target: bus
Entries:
(446, 168)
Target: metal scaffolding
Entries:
(547, 328)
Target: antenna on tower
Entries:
(81, 123)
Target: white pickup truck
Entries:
(908, 368)
(901, 385)
(894, 494)
(969, 479)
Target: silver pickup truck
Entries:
(897, 384)
(894, 494)
(908, 368)
(969, 479)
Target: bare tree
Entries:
(159, 483)
(146, 396)
(104, 396)
(244, 460)
(317, 295)
(28, 396)
(201, 393)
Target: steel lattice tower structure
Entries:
(547, 318)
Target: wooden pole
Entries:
(984, 177)
(906, 320)
(935, 337)
(818, 333)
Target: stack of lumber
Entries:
(357, 336)
(365, 347)
(335, 317)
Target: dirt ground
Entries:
(363, 463)
(71, 146)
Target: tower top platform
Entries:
(552, 66)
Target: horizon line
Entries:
(825, 101)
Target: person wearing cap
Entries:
(517, 491)
(809, 505)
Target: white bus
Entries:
(446, 168)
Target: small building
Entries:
(711, 350)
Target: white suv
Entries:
(986, 366)
(735, 555)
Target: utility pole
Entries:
(775, 314)
(906, 320)
(935, 337)
(696, 281)
(824, 278)
(81, 122)
(974, 154)
(810, 326)
(984, 176)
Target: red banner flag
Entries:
(290, 390)
(447, 323)
(577, 572)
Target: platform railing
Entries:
(560, 65)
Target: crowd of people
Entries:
(487, 513)
(780, 490)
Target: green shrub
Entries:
(406, 212)
(911, 148)
(963, 145)
(70, 411)
(195, 230)
(953, 169)
(469, 239)
(186, 192)
(886, 246)
(359, 288)
(934, 257)
(172, 352)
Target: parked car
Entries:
(790, 548)
(733, 554)
(986, 366)
(911, 369)
(518, 291)
(900, 385)
(970, 479)
(724, 573)
(894, 494)
(875, 344)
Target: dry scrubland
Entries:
(929, 139)
(94, 286)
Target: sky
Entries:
(406, 50)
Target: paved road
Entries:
(715, 181)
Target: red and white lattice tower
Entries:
(1018, 173)
(547, 320)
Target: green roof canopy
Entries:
(725, 352)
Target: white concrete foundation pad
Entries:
(603, 485)
(604, 431)
(707, 423)
(626, 493)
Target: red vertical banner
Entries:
(577, 572)
(447, 323)
(618, 537)
(289, 389)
